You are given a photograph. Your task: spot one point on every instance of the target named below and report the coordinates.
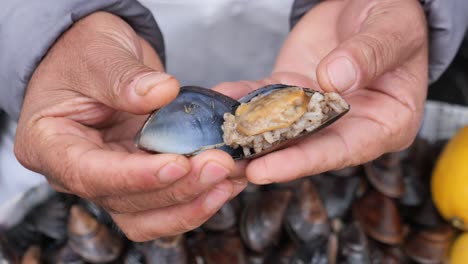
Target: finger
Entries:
(311, 39)
(208, 169)
(238, 89)
(176, 219)
(75, 156)
(125, 74)
(390, 34)
(343, 144)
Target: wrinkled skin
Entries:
(83, 107)
(374, 53)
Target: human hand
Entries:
(83, 106)
(374, 53)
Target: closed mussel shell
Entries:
(62, 254)
(315, 252)
(225, 218)
(337, 193)
(354, 246)
(386, 175)
(170, 250)
(306, 218)
(262, 219)
(226, 248)
(90, 239)
(379, 217)
(429, 246)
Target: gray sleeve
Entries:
(447, 22)
(28, 28)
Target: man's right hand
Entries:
(83, 106)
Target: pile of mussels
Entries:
(380, 212)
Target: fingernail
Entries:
(212, 173)
(149, 81)
(171, 173)
(341, 73)
(217, 197)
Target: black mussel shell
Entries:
(262, 219)
(415, 191)
(425, 215)
(429, 246)
(226, 248)
(166, 250)
(50, 218)
(387, 254)
(225, 218)
(318, 251)
(134, 254)
(189, 124)
(90, 239)
(193, 123)
(306, 218)
(354, 246)
(337, 193)
(386, 175)
(62, 254)
(379, 217)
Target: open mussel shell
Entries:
(379, 217)
(330, 117)
(92, 240)
(193, 122)
(262, 219)
(429, 246)
(306, 218)
(189, 124)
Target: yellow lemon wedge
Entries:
(459, 251)
(449, 183)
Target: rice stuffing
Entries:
(318, 109)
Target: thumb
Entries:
(135, 88)
(389, 34)
(123, 71)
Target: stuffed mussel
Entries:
(265, 120)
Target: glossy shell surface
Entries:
(194, 121)
(187, 125)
